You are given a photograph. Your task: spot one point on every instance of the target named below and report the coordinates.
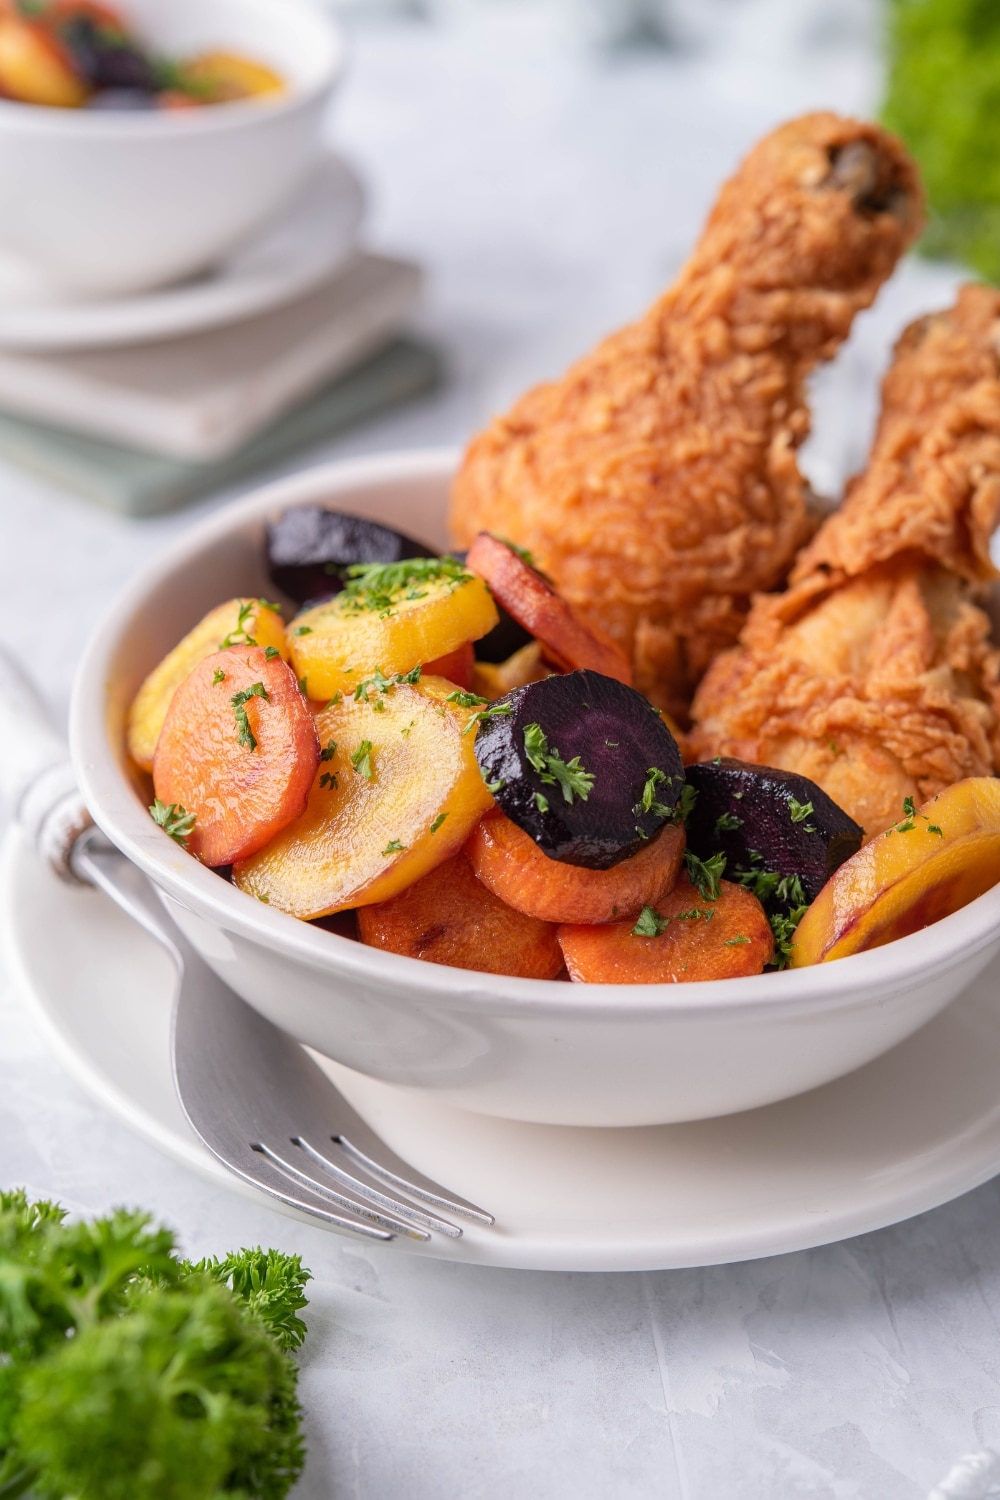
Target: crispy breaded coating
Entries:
(933, 483)
(875, 674)
(657, 482)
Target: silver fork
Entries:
(252, 1094)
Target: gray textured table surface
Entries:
(551, 196)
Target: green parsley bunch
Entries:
(127, 1373)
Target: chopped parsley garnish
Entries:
(335, 699)
(329, 752)
(361, 760)
(909, 820)
(173, 819)
(708, 912)
(522, 552)
(739, 938)
(379, 587)
(271, 652)
(705, 874)
(766, 884)
(466, 700)
(727, 822)
(304, 686)
(330, 780)
(239, 702)
(541, 802)
(495, 786)
(650, 924)
(783, 928)
(799, 811)
(240, 636)
(383, 684)
(218, 676)
(569, 775)
(302, 630)
(492, 711)
(438, 821)
(393, 847)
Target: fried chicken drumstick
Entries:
(657, 481)
(875, 674)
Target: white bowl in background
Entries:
(525, 1049)
(96, 203)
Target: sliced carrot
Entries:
(456, 666)
(683, 939)
(510, 863)
(449, 917)
(535, 604)
(397, 792)
(238, 622)
(425, 609)
(239, 750)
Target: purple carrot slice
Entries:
(585, 765)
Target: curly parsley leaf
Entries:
(650, 924)
(173, 819)
(239, 701)
(569, 776)
(705, 874)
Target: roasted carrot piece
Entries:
(683, 938)
(510, 863)
(239, 750)
(449, 917)
(397, 792)
(456, 666)
(238, 622)
(534, 603)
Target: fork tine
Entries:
(365, 1209)
(413, 1189)
(300, 1199)
(381, 1200)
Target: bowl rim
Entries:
(847, 983)
(17, 118)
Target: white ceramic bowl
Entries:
(526, 1049)
(101, 203)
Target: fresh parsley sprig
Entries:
(131, 1374)
(705, 874)
(239, 701)
(569, 776)
(173, 819)
(379, 588)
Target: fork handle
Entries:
(37, 784)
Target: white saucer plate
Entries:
(306, 245)
(910, 1131)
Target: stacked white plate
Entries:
(191, 371)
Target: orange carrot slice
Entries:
(535, 604)
(238, 749)
(449, 917)
(684, 938)
(510, 863)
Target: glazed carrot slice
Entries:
(684, 938)
(449, 917)
(936, 859)
(396, 793)
(391, 618)
(238, 622)
(510, 863)
(535, 604)
(238, 749)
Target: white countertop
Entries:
(550, 195)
